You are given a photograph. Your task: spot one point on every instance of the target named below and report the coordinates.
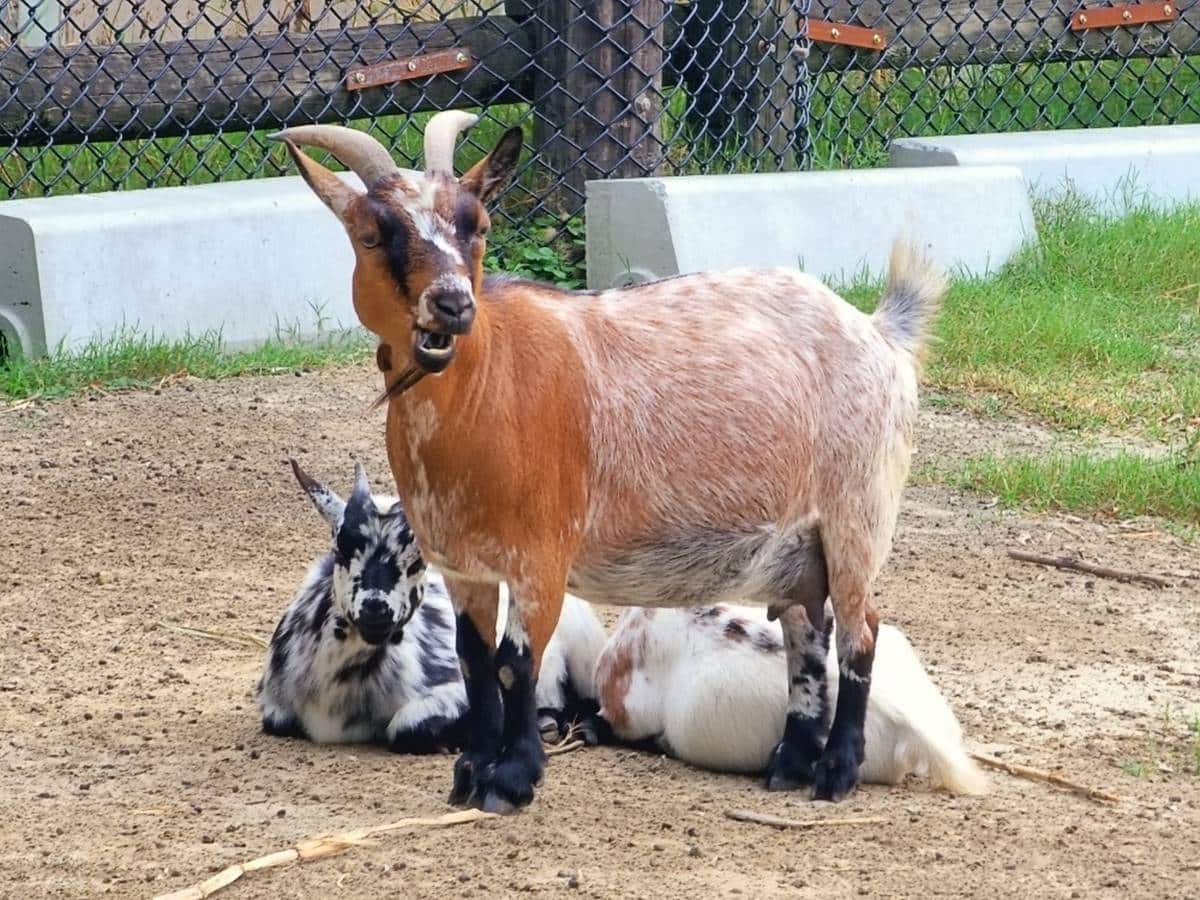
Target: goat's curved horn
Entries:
(440, 136)
(356, 150)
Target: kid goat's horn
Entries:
(440, 135)
(356, 150)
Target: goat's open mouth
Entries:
(432, 350)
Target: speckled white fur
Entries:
(418, 681)
(719, 702)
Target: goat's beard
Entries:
(432, 352)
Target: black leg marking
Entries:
(284, 726)
(511, 782)
(595, 729)
(484, 716)
(837, 772)
(575, 710)
(432, 736)
(806, 639)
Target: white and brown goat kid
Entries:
(709, 686)
(366, 652)
(743, 436)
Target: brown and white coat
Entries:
(736, 436)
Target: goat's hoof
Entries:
(494, 803)
(835, 777)
(550, 727)
(470, 771)
(595, 730)
(780, 781)
(789, 769)
(509, 784)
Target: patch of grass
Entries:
(1136, 768)
(855, 113)
(132, 360)
(1194, 731)
(1121, 486)
(1098, 326)
(1169, 750)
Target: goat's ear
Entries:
(328, 504)
(490, 174)
(334, 192)
(361, 495)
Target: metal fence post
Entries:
(597, 92)
(798, 49)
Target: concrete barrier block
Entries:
(246, 258)
(1113, 167)
(835, 225)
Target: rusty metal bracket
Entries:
(1122, 16)
(847, 35)
(421, 66)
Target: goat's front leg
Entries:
(475, 606)
(533, 612)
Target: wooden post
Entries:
(161, 89)
(597, 93)
(748, 101)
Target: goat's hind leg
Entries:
(852, 566)
(806, 642)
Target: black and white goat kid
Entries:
(366, 650)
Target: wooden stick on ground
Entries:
(318, 848)
(569, 741)
(224, 637)
(564, 747)
(1042, 775)
(745, 815)
(1078, 565)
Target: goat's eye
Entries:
(370, 241)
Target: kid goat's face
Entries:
(378, 571)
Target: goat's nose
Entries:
(456, 309)
(375, 610)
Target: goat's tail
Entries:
(949, 766)
(910, 303)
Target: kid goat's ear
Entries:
(361, 495)
(490, 174)
(328, 504)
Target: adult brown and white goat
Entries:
(738, 436)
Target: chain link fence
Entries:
(110, 94)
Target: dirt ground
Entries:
(131, 761)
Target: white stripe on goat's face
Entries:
(378, 570)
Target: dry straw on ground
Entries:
(1031, 774)
(319, 848)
